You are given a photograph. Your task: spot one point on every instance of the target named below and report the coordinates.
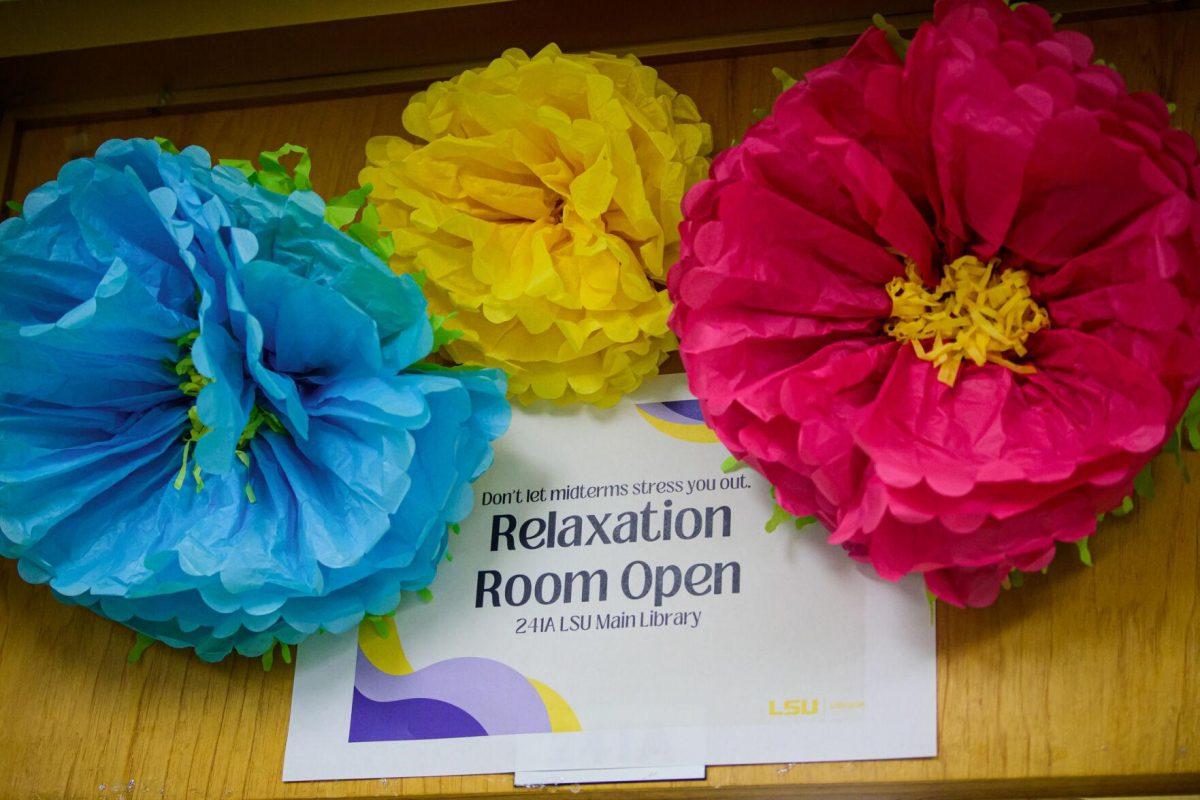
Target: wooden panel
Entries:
(1083, 681)
(397, 41)
(51, 26)
(432, 39)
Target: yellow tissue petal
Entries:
(541, 203)
(592, 190)
(515, 200)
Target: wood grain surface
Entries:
(1082, 682)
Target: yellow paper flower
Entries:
(542, 208)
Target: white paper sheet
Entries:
(719, 644)
(694, 772)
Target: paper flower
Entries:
(542, 209)
(213, 424)
(947, 303)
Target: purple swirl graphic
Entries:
(453, 698)
(683, 412)
(405, 720)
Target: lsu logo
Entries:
(792, 708)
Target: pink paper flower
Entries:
(947, 303)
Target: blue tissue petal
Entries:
(213, 425)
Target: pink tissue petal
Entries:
(997, 136)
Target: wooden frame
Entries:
(1080, 683)
(80, 75)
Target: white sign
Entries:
(614, 602)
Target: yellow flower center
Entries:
(973, 313)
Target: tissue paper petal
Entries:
(213, 425)
(995, 139)
(542, 208)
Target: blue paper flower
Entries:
(213, 424)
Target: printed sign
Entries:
(615, 602)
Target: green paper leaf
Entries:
(931, 598)
(342, 210)
(286, 652)
(731, 464)
(241, 165)
(166, 144)
(441, 334)
(786, 81)
(425, 596)
(268, 658)
(353, 213)
(778, 517)
(271, 173)
(1017, 578)
(140, 646)
(15, 207)
(898, 42)
(378, 623)
(1174, 446)
(1143, 484)
(781, 515)
(1120, 511)
(759, 113)
(366, 232)
(1190, 423)
(1085, 555)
